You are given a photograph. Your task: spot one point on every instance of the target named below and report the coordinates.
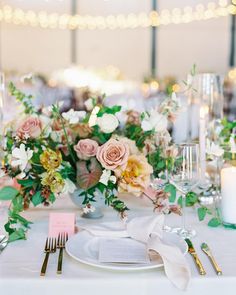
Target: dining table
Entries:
(20, 261)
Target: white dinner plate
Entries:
(84, 247)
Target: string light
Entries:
(188, 14)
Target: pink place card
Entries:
(60, 223)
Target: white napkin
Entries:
(148, 230)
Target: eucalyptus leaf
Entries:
(180, 201)
(8, 193)
(18, 204)
(191, 199)
(37, 198)
(52, 198)
(214, 222)
(18, 234)
(26, 182)
(170, 188)
(202, 211)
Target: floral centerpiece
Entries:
(48, 152)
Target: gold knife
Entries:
(207, 251)
(193, 252)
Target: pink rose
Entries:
(86, 148)
(31, 127)
(113, 154)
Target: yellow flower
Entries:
(50, 159)
(135, 177)
(53, 180)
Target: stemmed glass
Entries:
(184, 175)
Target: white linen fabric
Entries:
(21, 261)
(148, 230)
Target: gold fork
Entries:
(50, 247)
(61, 241)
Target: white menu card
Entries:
(123, 250)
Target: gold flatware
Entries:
(193, 252)
(50, 247)
(207, 251)
(61, 241)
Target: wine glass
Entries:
(184, 175)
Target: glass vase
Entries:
(98, 205)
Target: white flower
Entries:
(113, 179)
(73, 117)
(69, 186)
(108, 123)
(89, 104)
(213, 149)
(88, 209)
(21, 157)
(155, 121)
(232, 144)
(93, 117)
(106, 176)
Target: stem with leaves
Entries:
(57, 115)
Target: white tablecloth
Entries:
(21, 261)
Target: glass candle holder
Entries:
(228, 192)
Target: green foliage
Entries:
(191, 199)
(37, 198)
(214, 222)
(52, 198)
(26, 100)
(157, 162)
(202, 211)
(109, 110)
(227, 129)
(170, 188)
(68, 172)
(113, 201)
(26, 182)
(136, 133)
(100, 136)
(17, 203)
(8, 193)
(180, 201)
(18, 234)
(17, 225)
(18, 218)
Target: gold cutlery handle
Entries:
(216, 266)
(199, 265)
(60, 258)
(44, 266)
